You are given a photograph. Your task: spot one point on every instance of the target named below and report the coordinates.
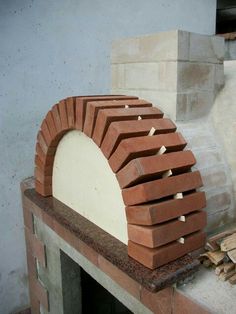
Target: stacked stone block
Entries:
(177, 70)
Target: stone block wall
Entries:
(180, 71)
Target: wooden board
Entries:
(228, 243)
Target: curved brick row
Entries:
(93, 109)
(163, 208)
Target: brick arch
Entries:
(153, 170)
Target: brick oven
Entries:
(118, 186)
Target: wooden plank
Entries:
(212, 243)
(219, 269)
(228, 243)
(232, 280)
(215, 257)
(229, 267)
(232, 255)
(224, 276)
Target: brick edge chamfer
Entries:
(152, 168)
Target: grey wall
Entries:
(49, 50)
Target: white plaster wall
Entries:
(49, 50)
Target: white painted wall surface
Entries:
(49, 50)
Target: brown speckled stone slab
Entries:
(111, 248)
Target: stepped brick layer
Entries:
(163, 206)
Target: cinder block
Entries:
(158, 47)
(193, 105)
(194, 77)
(205, 48)
(142, 76)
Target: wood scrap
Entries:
(226, 276)
(228, 243)
(215, 257)
(221, 255)
(232, 255)
(219, 269)
(232, 280)
(228, 267)
(212, 243)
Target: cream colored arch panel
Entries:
(82, 179)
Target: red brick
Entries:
(48, 219)
(44, 155)
(51, 124)
(184, 305)
(41, 141)
(47, 170)
(153, 258)
(56, 118)
(28, 216)
(157, 189)
(42, 189)
(158, 212)
(46, 134)
(118, 276)
(36, 210)
(70, 108)
(41, 177)
(160, 302)
(41, 293)
(126, 129)
(158, 235)
(89, 253)
(63, 115)
(106, 116)
(81, 106)
(36, 247)
(93, 109)
(46, 159)
(153, 167)
(135, 147)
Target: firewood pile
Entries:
(221, 255)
